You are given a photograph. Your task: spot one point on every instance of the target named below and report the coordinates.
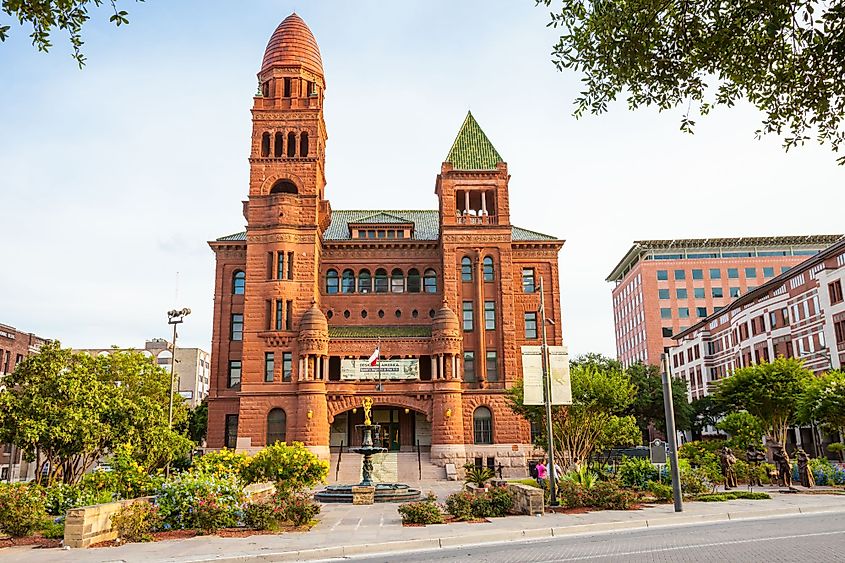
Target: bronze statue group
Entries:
(782, 473)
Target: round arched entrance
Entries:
(402, 427)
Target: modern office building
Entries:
(307, 293)
(663, 287)
(192, 369)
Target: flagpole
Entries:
(378, 363)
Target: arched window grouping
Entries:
(487, 267)
(281, 145)
(277, 422)
(397, 282)
(238, 282)
(482, 423)
(466, 269)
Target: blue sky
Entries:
(113, 178)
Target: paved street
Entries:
(816, 537)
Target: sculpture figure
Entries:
(805, 473)
(367, 403)
(784, 467)
(754, 457)
(728, 460)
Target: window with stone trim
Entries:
(488, 270)
(482, 424)
(490, 315)
(347, 281)
(530, 319)
(430, 281)
(466, 269)
(468, 323)
(238, 282)
(280, 314)
(276, 426)
(834, 290)
(365, 281)
(277, 144)
(381, 281)
(233, 376)
(237, 328)
(280, 265)
(230, 439)
(269, 366)
(303, 145)
(492, 366)
(291, 144)
(414, 281)
(265, 144)
(287, 366)
(332, 281)
(397, 281)
(469, 366)
(528, 283)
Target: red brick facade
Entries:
(315, 287)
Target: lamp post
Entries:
(547, 399)
(174, 317)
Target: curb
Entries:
(431, 544)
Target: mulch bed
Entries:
(34, 541)
(448, 520)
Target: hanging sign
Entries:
(408, 368)
(532, 375)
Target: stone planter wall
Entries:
(526, 499)
(92, 524)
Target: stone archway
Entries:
(342, 403)
(404, 421)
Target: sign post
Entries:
(671, 434)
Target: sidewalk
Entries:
(346, 530)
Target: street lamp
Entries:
(174, 317)
(547, 400)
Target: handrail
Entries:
(419, 459)
(339, 455)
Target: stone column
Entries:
(313, 432)
(447, 424)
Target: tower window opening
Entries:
(265, 89)
(265, 144)
(284, 187)
(287, 87)
(291, 144)
(303, 145)
(277, 145)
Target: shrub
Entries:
(53, 529)
(289, 466)
(695, 481)
(823, 471)
(608, 495)
(459, 505)
(21, 508)
(636, 472)
(478, 475)
(661, 491)
(837, 449)
(209, 514)
(582, 476)
(135, 522)
(572, 495)
(62, 497)
(297, 507)
(126, 478)
(179, 498)
(261, 516)
(221, 463)
(421, 512)
(732, 495)
(501, 501)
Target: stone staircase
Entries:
(388, 467)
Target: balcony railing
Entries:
(466, 219)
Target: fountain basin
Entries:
(385, 492)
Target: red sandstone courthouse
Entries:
(307, 293)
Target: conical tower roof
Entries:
(472, 150)
(293, 44)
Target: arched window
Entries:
(466, 269)
(331, 281)
(277, 423)
(414, 281)
(238, 282)
(488, 269)
(482, 423)
(303, 145)
(265, 144)
(397, 281)
(365, 282)
(347, 282)
(277, 144)
(381, 281)
(284, 187)
(291, 144)
(430, 281)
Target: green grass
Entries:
(732, 495)
(529, 482)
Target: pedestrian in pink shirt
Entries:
(542, 474)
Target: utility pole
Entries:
(174, 318)
(671, 434)
(547, 399)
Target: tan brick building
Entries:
(306, 294)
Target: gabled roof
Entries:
(381, 218)
(426, 225)
(472, 150)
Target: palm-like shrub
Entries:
(478, 475)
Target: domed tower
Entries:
(285, 336)
(446, 342)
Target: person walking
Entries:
(542, 474)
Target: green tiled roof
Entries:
(472, 150)
(426, 225)
(370, 332)
(426, 222)
(520, 234)
(236, 236)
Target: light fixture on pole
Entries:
(174, 317)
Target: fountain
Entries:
(384, 492)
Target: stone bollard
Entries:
(363, 495)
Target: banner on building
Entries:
(390, 369)
(532, 375)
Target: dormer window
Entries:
(381, 225)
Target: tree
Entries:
(647, 406)
(61, 15)
(67, 410)
(706, 412)
(595, 421)
(744, 429)
(823, 401)
(786, 58)
(769, 391)
(198, 422)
